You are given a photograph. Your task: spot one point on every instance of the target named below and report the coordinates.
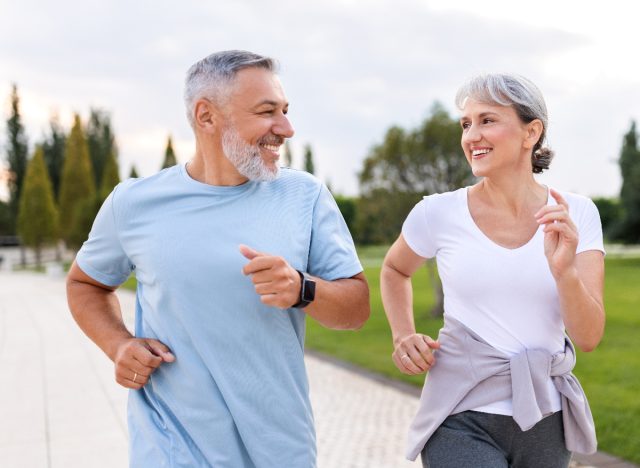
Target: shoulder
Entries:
(296, 183)
(443, 202)
(581, 208)
(139, 185)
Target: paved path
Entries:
(60, 408)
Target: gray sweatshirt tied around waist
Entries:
(470, 373)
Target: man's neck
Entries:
(213, 168)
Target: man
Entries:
(230, 254)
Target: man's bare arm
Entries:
(96, 309)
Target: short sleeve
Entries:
(416, 233)
(590, 229)
(102, 256)
(332, 254)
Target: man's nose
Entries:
(283, 127)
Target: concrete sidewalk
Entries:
(61, 408)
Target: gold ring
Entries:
(403, 356)
(135, 376)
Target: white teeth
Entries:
(480, 151)
(273, 148)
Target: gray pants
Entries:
(481, 440)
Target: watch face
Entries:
(309, 290)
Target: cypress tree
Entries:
(134, 173)
(110, 177)
(16, 154)
(53, 148)
(37, 217)
(308, 159)
(630, 192)
(101, 142)
(169, 155)
(288, 157)
(77, 188)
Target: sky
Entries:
(350, 69)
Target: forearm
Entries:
(583, 315)
(341, 304)
(97, 312)
(397, 299)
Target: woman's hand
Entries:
(412, 354)
(560, 236)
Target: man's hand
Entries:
(277, 282)
(137, 358)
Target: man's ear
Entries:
(534, 130)
(206, 115)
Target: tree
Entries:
(610, 215)
(287, 157)
(110, 177)
(629, 230)
(308, 159)
(77, 188)
(17, 156)
(169, 155)
(6, 222)
(407, 165)
(134, 173)
(37, 217)
(53, 147)
(100, 141)
(347, 206)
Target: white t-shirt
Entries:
(507, 296)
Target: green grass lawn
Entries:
(610, 375)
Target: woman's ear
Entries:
(534, 131)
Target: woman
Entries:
(520, 264)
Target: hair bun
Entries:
(541, 159)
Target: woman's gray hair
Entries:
(521, 94)
(208, 77)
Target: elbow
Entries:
(361, 317)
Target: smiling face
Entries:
(255, 123)
(495, 139)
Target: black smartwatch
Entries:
(307, 291)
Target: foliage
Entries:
(347, 206)
(610, 215)
(110, 177)
(287, 157)
(134, 173)
(630, 192)
(606, 374)
(38, 216)
(169, 155)
(308, 159)
(407, 165)
(101, 142)
(53, 147)
(17, 156)
(77, 188)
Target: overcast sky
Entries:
(350, 69)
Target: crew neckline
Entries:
(221, 189)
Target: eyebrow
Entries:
(269, 102)
(483, 114)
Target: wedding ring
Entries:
(403, 356)
(135, 376)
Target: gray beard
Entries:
(246, 158)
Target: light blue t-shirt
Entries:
(237, 394)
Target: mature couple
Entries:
(231, 253)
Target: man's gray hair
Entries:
(208, 77)
(515, 91)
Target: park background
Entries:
(92, 92)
